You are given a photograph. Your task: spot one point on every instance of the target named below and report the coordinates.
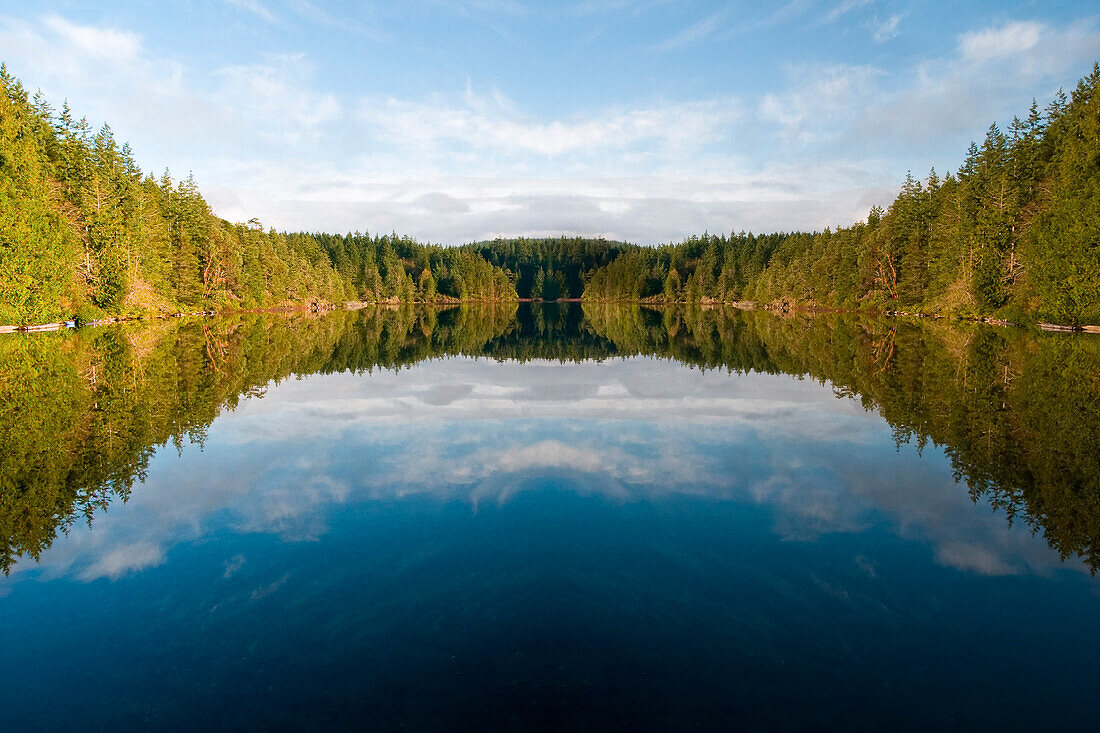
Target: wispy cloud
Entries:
(695, 32)
(884, 30)
(960, 95)
(494, 123)
(844, 8)
(253, 6)
(495, 7)
(265, 590)
(489, 13)
(822, 103)
(600, 7)
(123, 560)
(354, 22)
(782, 14)
(493, 427)
(233, 565)
(103, 43)
(1006, 41)
(279, 93)
(973, 558)
(271, 138)
(723, 25)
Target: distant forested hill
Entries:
(549, 269)
(1014, 233)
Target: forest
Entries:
(1013, 234)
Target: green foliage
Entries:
(395, 269)
(89, 313)
(706, 268)
(565, 263)
(35, 240)
(80, 225)
(1064, 242)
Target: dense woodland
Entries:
(84, 232)
(82, 412)
(549, 269)
(1014, 233)
(394, 269)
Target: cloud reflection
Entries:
(478, 431)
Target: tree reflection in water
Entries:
(81, 413)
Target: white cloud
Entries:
(289, 508)
(722, 26)
(547, 454)
(109, 76)
(253, 6)
(104, 43)
(958, 97)
(124, 559)
(695, 32)
(884, 30)
(267, 139)
(600, 7)
(809, 506)
(783, 13)
(498, 7)
(994, 43)
(719, 195)
(974, 558)
(822, 102)
(277, 100)
(233, 565)
(493, 124)
(846, 7)
(750, 438)
(265, 590)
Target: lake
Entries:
(549, 516)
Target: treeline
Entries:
(549, 269)
(84, 232)
(395, 269)
(1014, 234)
(705, 268)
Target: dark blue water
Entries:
(621, 545)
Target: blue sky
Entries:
(643, 120)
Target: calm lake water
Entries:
(551, 516)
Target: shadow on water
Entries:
(81, 413)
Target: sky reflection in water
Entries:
(618, 544)
(477, 431)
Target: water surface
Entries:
(609, 517)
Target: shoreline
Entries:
(317, 307)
